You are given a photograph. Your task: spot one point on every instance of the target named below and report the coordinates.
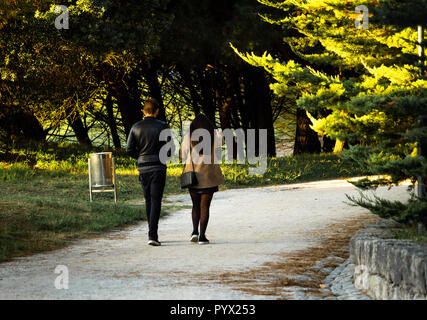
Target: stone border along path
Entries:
(389, 268)
(273, 229)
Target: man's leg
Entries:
(157, 187)
(145, 179)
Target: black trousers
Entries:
(153, 185)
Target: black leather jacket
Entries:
(143, 141)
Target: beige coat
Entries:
(208, 174)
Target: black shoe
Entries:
(203, 240)
(194, 237)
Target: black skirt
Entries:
(204, 190)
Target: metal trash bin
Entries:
(102, 173)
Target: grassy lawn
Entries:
(44, 201)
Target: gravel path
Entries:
(248, 227)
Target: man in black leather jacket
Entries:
(143, 144)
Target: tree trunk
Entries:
(79, 129)
(225, 108)
(306, 140)
(152, 80)
(128, 101)
(258, 106)
(31, 127)
(112, 121)
(207, 94)
(16, 123)
(126, 92)
(328, 144)
(339, 146)
(195, 97)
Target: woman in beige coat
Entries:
(208, 173)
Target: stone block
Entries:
(388, 268)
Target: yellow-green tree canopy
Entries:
(369, 80)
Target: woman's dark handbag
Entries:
(188, 179)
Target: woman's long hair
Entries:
(202, 122)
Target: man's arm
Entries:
(166, 127)
(131, 147)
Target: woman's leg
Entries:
(205, 204)
(195, 212)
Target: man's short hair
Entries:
(151, 106)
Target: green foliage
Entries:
(369, 82)
(16, 171)
(293, 169)
(409, 213)
(98, 216)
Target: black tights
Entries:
(200, 211)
